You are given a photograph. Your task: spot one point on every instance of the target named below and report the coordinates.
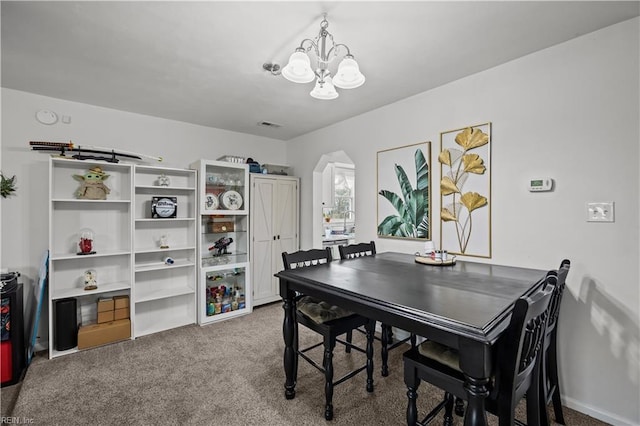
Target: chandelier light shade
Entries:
(323, 50)
(348, 75)
(325, 90)
(298, 69)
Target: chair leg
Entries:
(459, 410)
(412, 382)
(329, 345)
(552, 370)
(557, 406)
(448, 409)
(386, 341)
(347, 348)
(370, 328)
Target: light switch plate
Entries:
(600, 212)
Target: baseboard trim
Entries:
(596, 413)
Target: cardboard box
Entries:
(93, 335)
(105, 304)
(121, 313)
(105, 316)
(121, 302)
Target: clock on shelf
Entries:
(164, 207)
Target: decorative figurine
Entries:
(86, 242)
(164, 241)
(163, 180)
(221, 245)
(91, 187)
(90, 280)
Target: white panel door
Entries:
(262, 236)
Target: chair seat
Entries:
(441, 353)
(320, 311)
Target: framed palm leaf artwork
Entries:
(404, 188)
(465, 190)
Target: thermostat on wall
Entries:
(540, 184)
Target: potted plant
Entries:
(7, 185)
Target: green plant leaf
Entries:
(422, 171)
(395, 201)
(412, 219)
(423, 228)
(390, 226)
(403, 180)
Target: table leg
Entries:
(412, 382)
(290, 345)
(477, 391)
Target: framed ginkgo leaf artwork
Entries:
(465, 190)
(404, 188)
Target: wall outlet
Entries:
(600, 212)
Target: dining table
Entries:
(466, 305)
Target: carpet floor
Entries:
(227, 373)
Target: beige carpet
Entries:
(229, 373)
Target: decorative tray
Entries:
(427, 260)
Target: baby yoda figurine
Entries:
(91, 187)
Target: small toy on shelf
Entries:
(90, 280)
(221, 245)
(91, 185)
(164, 241)
(163, 180)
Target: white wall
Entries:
(24, 223)
(570, 112)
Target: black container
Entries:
(66, 324)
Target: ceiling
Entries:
(201, 62)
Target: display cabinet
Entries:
(224, 285)
(165, 248)
(274, 217)
(88, 236)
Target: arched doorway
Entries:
(340, 209)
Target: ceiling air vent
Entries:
(269, 124)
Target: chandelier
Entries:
(325, 50)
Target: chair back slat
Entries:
(556, 299)
(353, 251)
(306, 258)
(523, 341)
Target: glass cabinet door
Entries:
(225, 291)
(224, 288)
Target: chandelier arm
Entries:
(335, 49)
(312, 43)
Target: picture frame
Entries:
(465, 190)
(403, 182)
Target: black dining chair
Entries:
(550, 385)
(353, 251)
(330, 322)
(519, 351)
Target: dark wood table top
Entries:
(470, 299)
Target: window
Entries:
(344, 182)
